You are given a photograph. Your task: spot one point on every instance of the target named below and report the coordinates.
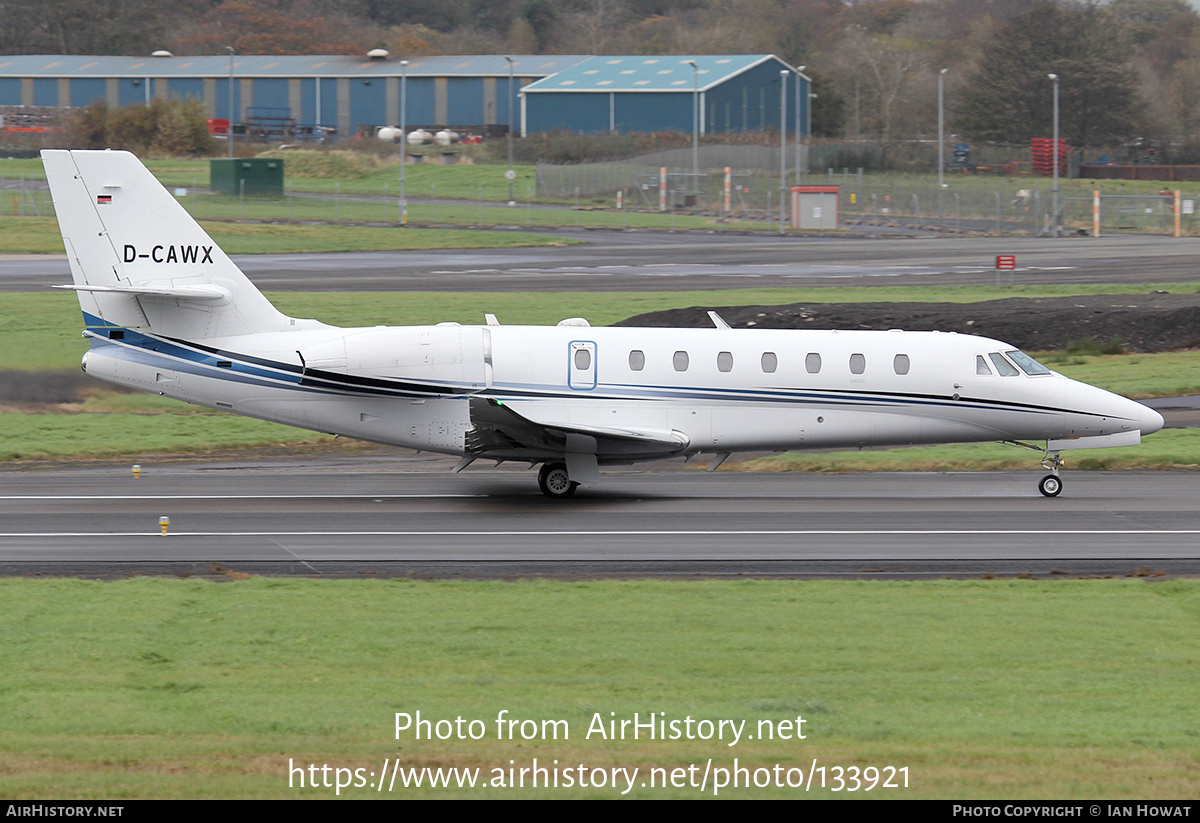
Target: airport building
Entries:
(647, 93)
(357, 95)
(353, 94)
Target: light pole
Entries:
(230, 135)
(695, 125)
(1054, 214)
(403, 140)
(783, 73)
(941, 143)
(511, 175)
(808, 131)
(799, 71)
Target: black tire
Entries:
(555, 482)
(1050, 485)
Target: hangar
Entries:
(646, 93)
(350, 92)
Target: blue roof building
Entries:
(349, 92)
(646, 93)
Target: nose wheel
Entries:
(1050, 485)
(554, 481)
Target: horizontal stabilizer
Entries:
(172, 292)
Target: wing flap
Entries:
(500, 429)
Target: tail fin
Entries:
(139, 260)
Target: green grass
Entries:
(1167, 449)
(40, 235)
(341, 172)
(441, 211)
(1164, 374)
(155, 426)
(111, 424)
(46, 337)
(984, 689)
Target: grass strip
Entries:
(46, 335)
(1167, 449)
(151, 425)
(50, 435)
(983, 689)
(40, 235)
(440, 210)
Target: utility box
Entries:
(815, 207)
(252, 175)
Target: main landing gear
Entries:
(1051, 484)
(554, 481)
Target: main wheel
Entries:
(1050, 485)
(555, 482)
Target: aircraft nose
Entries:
(1149, 421)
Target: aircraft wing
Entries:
(499, 431)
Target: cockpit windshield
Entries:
(1003, 367)
(1027, 363)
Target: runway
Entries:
(635, 261)
(339, 517)
(408, 516)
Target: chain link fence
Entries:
(969, 204)
(25, 198)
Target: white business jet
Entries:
(168, 312)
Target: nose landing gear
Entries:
(1051, 484)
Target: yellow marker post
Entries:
(137, 471)
(164, 522)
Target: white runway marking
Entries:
(281, 496)
(635, 533)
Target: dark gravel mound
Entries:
(21, 387)
(1142, 322)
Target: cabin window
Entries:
(769, 362)
(724, 361)
(1005, 368)
(1027, 363)
(812, 363)
(637, 360)
(900, 363)
(583, 359)
(680, 361)
(858, 364)
(981, 366)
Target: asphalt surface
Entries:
(339, 516)
(632, 261)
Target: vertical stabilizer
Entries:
(139, 260)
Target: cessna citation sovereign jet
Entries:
(168, 312)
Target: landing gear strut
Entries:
(555, 482)
(1051, 484)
